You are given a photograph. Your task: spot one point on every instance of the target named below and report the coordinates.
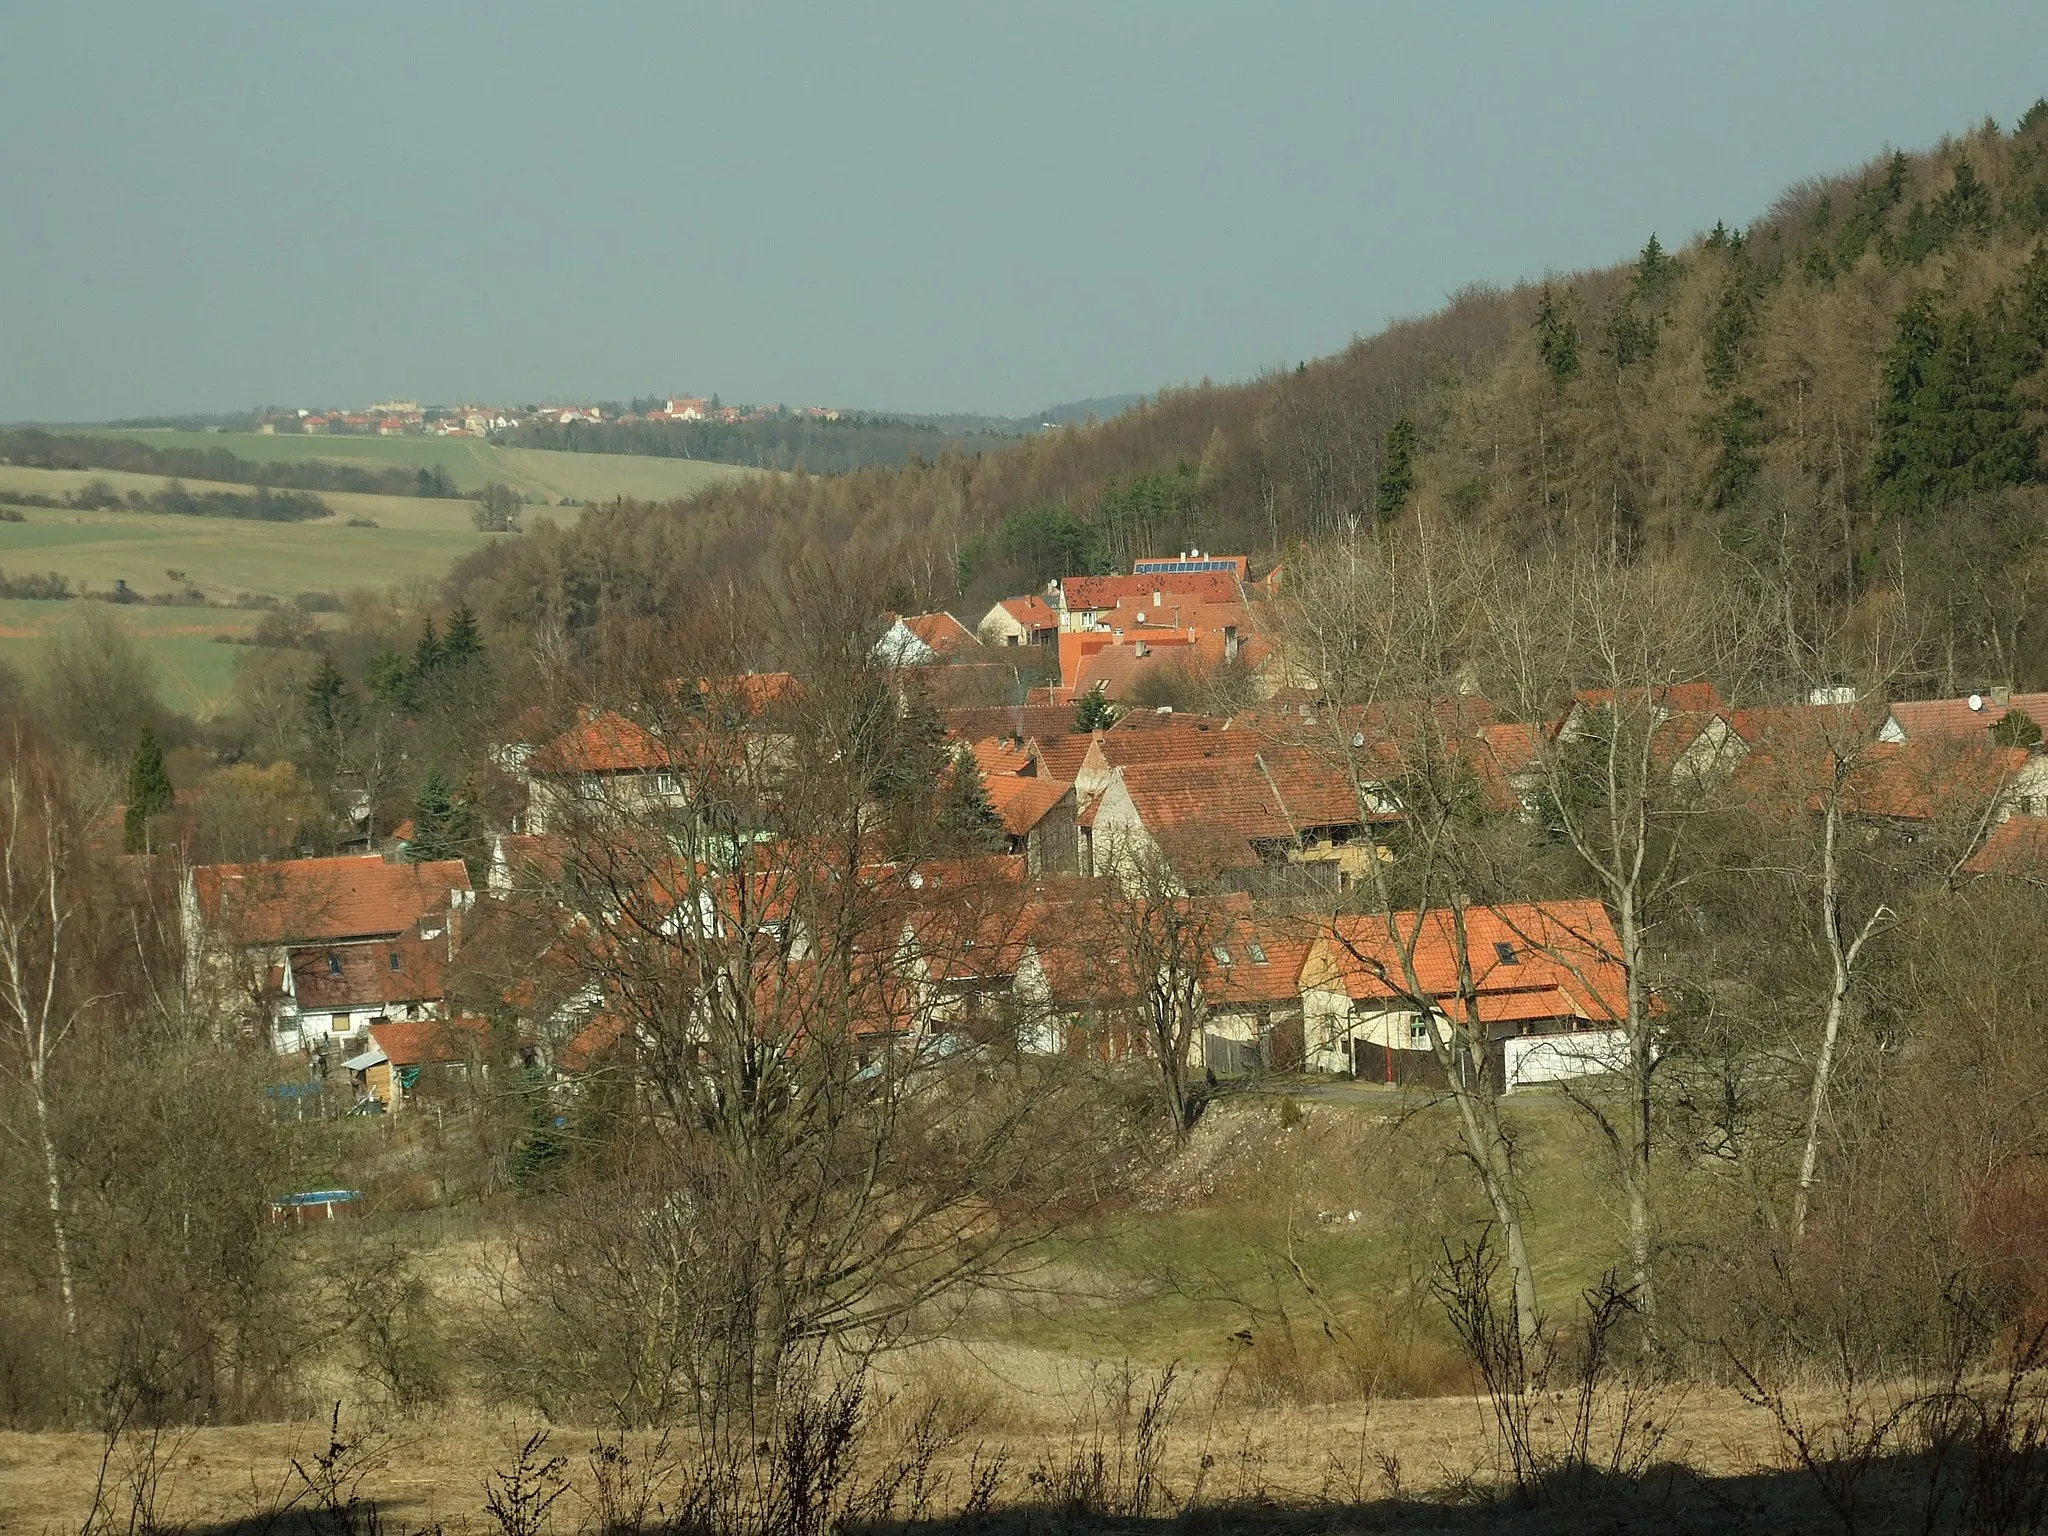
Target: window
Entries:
(334, 965)
(1222, 955)
(1505, 953)
(396, 963)
(1258, 952)
(1418, 1034)
(590, 787)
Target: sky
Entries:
(947, 207)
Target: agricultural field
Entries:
(535, 473)
(194, 649)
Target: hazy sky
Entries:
(945, 207)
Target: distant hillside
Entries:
(1817, 380)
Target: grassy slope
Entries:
(474, 463)
(1259, 1236)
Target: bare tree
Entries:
(41, 918)
(1383, 628)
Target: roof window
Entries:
(1222, 955)
(1258, 952)
(396, 964)
(334, 965)
(1505, 952)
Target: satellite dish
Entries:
(916, 881)
(1976, 703)
(1358, 738)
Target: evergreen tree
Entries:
(1094, 712)
(442, 825)
(325, 692)
(2016, 728)
(385, 675)
(968, 822)
(1655, 270)
(149, 792)
(464, 642)
(1557, 338)
(1948, 420)
(1397, 467)
(427, 654)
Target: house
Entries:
(924, 638)
(1201, 823)
(1545, 984)
(2016, 849)
(261, 931)
(603, 761)
(1020, 621)
(1251, 991)
(1084, 601)
(330, 993)
(404, 1063)
(1966, 719)
(1039, 813)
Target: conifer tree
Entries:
(1094, 712)
(463, 643)
(1655, 269)
(325, 691)
(385, 676)
(1557, 338)
(149, 792)
(1397, 467)
(968, 821)
(427, 654)
(442, 825)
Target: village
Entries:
(1241, 866)
(408, 418)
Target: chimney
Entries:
(2001, 698)
(1158, 597)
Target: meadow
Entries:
(472, 462)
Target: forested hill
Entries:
(1856, 371)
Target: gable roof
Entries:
(603, 741)
(299, 901)
(1094, 593)
(417, 1042)
(1917, 719)
(1527, 960)
(943, 633)
(2017, 848)
(1032, 612)
(364, 975)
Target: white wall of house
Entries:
(552, 797)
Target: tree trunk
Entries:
(54, 1192)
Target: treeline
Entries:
(264, 504)
(35, 449)
(783, 442)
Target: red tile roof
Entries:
(1527, 960)
(2017, 848)
(322, 900)
(1033, 612)
(415, 1042)
(1043, 721)
(603, 741)
(1094, 593)
(1230, 792)
(943, 633)
(353, 976)
(1953, 717)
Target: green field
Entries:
(195, 669)
(228, 558)
(472, 462)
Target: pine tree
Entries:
(1655, 270)
(1557, 338)
(463, 643)
(325, 692)
(1094, 712)
(442, 825)
(1397, 467)
(968, 822)
(149, 792)
(1948, 420)
(385, 676)
(427, 655)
